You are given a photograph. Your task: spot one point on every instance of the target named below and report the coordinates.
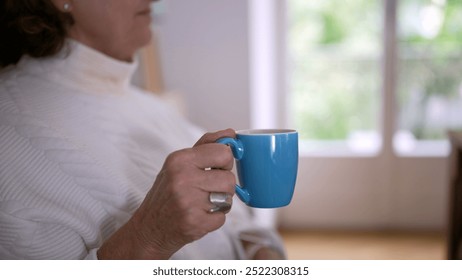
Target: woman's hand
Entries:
(176, 209)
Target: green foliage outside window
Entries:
(335, 52)
(430, 47)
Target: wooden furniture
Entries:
(454, 245)
(150, 66)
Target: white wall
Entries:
(353, 193)
(205, 55)
(204, 50)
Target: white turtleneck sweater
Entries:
(79, 149)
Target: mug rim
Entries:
(271, 131)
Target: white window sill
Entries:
(345, 148)
(423, 148)
(336, 148)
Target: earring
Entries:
(67, 6)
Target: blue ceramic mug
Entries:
(267, 164)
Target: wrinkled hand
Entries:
(176, 209)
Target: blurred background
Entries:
(372, 87)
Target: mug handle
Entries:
(238, 152)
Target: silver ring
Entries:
(222, 202)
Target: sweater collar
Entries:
(80, 66)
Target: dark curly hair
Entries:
(33, 27)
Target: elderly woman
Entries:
(81, 147)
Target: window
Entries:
(334, 53)
(429, 88)
(337, 53)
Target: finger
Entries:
(197, 193)
(212, 137)
(212, 222)
(198, 222)
(216, 180)
(213, 155)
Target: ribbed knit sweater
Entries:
(79, 149)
